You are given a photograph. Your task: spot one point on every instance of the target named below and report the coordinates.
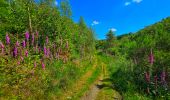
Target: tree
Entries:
(110, 38)
(65, 8)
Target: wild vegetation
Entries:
(44, 54)
(43, 51)
(143, 61)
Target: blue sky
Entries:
(122, 16)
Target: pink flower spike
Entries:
(2, 45)
(43, 66)
(27, 35)
(35, 64)
(7, 39)
(33, 39)
(23, 44)
(46, 39)
(22, 58)
(45, 50)
(26, 53)
(147, 77)
(18, 62)
(17, 44)
(15, 52)
(163, 76)
(151, 58)
(36, 34)
(48, 51)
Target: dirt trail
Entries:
(92, 93)
(102, 89)
(69, 94)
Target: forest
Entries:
(45, 55)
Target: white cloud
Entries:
(95, 22)
(137, 1)
(56, 2)
(113, 29)
(127, 3)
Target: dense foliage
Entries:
(42, 50)
(145, 65)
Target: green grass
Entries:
(89, 82)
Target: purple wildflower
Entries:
(33, 39)
(151, 58)
(18, 62)
(23, 44)
(22, 58)
(36, 34)
(147, 77)
(48, 51)
(46, 39)
(17, 44)
(27, 35)
(163, 76)
(15, 51)
(2, 47)
(43, 65)
(7, 39)
(35, 64)
(45, 50)
(26, 53)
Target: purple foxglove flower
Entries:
(151, 58)
(33, 39)
(23, 44)
(17, 44)
(48, 51)
(45, 51)
(22, 58)
(36, 34)
(18, 62)
(15, 51)
(43, 65)
(7, 39)
(27, 35)
(147, 77)
(35, 64)
(2, 47)
(163, 76)
(46, 39)
(26, 53)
